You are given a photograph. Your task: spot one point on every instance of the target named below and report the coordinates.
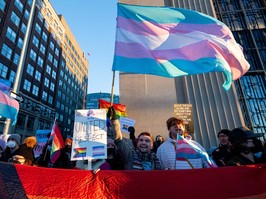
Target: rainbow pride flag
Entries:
(80, 152)
(120, 109)
(174, 42)
(57, 143)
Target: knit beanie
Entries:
(15, 137)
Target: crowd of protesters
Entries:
(237, 147)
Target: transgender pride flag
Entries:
(9, 107)
(173, 42)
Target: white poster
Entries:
(126, 122)
(89, 135)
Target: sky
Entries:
(93, 23)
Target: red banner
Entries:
(219, 183)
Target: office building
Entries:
(55, 70)
(150, 99)
(92, 100)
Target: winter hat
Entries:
(15, 137)
(25, 151)
(242, 133)
(2, 144)
(224, 131)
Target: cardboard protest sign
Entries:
(89, 136)
(126, 122)
(41, 136)
(185, 112)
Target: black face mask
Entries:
(110, 151)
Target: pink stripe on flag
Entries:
(193, 52)
(5, 99)
(153, 29)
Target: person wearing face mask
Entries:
(12, 145)
(246, 148)
(179, 152)
(141, 158)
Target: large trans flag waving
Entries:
(173, 42)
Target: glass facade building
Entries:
(55, 70)
(92, 100)
(247, 20)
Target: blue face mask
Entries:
(11, 144)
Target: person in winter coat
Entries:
(141, 158)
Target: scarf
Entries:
(148, 157)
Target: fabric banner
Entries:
(219, 183)
(174, 42)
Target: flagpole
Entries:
(112, 90)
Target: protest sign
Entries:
(42, 137)
(89, 135)
(126, 122)
(184, 112)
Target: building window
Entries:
(52, 86)
(42, 49)
(54, 74)
(30, 69)
(10, 33)
(35, 41)
(62, 107)
(19, 5)
(57, 104)
(35, 90)
(46, 82)
(20, 43)
(6, 51)
(23, 28)
(27, 85)
(33, 55)
(50, 57)
(12, 76)
(38, 75)
(55, 63)
(15, 19)
(40, 16)
(3, 70)
(44, 96)
(2, 5)
(48, 69)
(38, 28)
(57, 52)
(44, 36)
(50, 99)
(52, 46)
(29, 2)
(40, 61)
(16, 59)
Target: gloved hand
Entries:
(111, 114)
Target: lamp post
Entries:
(20, 68)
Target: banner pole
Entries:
(112, 90)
